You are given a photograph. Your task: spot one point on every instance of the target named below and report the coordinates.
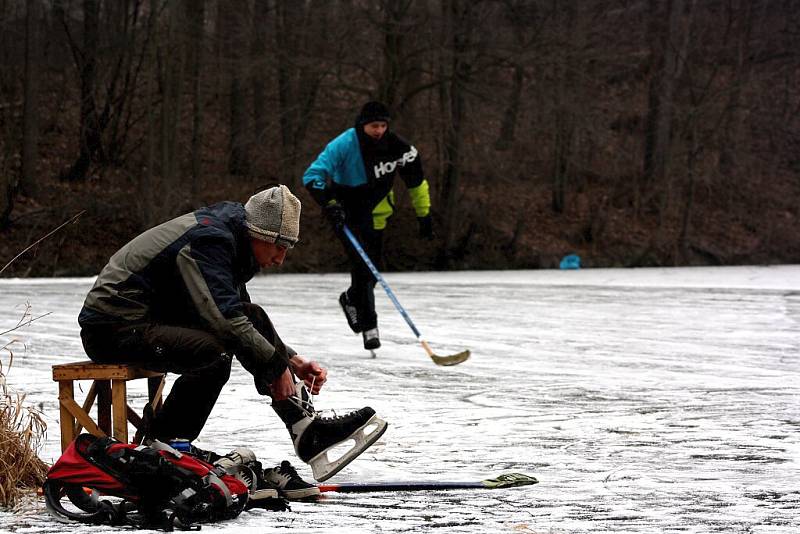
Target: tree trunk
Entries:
(29, 182)
(147, 182)
(669, 45)
(393, 70)
(286, 19)
(301, 67)
(734, 112)
(509, 125)
(90, 142)
(563, 108)
(234, 38)
(458, 14)
(196, 13)
(172, 81)
(259, 76)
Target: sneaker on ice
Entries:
(315, 437)
(285, 479)
(371, 339)
(350, 312)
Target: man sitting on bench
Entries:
(174, 300)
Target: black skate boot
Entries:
(371, 339)
(315, 436)
(285, 479)
(350, 312)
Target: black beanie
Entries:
(371, 112)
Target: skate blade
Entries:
(323, 468)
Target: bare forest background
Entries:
(630, 132)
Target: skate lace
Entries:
(307, 406)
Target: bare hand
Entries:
(283, 387)
(311, 373)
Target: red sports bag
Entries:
(155, 487)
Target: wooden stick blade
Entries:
(509, 480)
(453, 359)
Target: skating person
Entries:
(352, 181)
(174, 299)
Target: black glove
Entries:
(425, 227)
(336, 215)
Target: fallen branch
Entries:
(62, 225)
(25, 320)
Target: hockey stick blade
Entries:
(453, 359)
(509, 480)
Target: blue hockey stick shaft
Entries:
(380, 279)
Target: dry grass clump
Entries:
(22, 429)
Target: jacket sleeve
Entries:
(417, 185)
(420, 198)
(318, 176)
(205, 265)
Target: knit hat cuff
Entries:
(270, 237)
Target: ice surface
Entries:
(644, 400)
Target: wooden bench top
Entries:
(86, 370)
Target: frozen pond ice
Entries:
(645, 400)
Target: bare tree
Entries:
(107, 80)
(196, 14)
(85, 57)
(261, 12)
(301, 67)
(525, 20)
(564, 116)
(460, 19)
(233, 30)
(29, 182)
(669, 40)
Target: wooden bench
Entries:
(109, 388)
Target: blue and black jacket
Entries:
(359, 173)
(190, 271)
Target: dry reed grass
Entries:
(22, 430)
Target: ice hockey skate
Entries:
(317, 438)
(350, 312)
(372, 340)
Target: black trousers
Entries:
(362, 283)
(200, 358)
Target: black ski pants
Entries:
(361, 292)
(200, 358)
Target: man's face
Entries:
(268, 254)
(376, 129)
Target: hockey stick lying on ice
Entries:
(510, 480)
(438, 360)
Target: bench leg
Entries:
(103, 388)
(119, 403)
(66, 391)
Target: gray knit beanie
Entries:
(273, 215)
